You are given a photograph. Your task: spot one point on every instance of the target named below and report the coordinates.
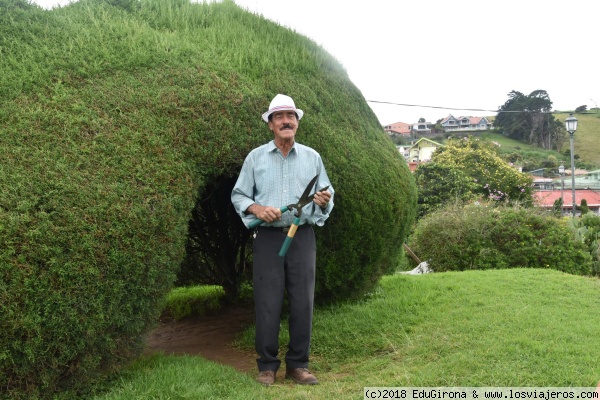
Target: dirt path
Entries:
(209, 336)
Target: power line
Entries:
(458, 109)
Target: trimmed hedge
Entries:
(478, 236)
(114, 117)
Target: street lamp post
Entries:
(561, 171)
(571, 124)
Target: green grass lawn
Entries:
(480, 328)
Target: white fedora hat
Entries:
(281, 102)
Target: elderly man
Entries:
(273, 175)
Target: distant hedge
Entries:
(482, 236)
(115, 116)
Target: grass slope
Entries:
(586, 143)
(587, 137)
(517, 327)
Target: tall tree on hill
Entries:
(528, 118)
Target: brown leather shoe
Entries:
(267, 378)
(301, 376)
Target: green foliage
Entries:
(583, 207)
(496, 180)
(587, 229)
(557, 207)
(439, 184)
(527, 118)
(551, 163)
(484, 237)
(116, 118)
(194, 300)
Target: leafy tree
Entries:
(557, 207)
(495, 178)
(583, 207)
(550, 165)
(581, 109)
(528, 118)
(439, 184)
(557, 134)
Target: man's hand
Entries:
(322, 198)
(265, 213)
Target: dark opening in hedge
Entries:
(217, 247)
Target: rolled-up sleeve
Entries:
(319, 215)
(242, 195)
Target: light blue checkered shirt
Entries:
(269, 179)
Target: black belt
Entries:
(283, 229)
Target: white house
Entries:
(422, 127)
(450, 123)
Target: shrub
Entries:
(484, 237)
(438, 184)
(117, 119)
(496, 179)
(587, 230)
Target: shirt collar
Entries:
(272, 147)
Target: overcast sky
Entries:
(457, 55)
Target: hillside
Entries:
(586, 138)
(586, 144)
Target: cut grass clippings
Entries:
(517, 327)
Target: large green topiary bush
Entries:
(481, 236)
(116, 118)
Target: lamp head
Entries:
(571, 124)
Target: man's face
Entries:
(284, 124)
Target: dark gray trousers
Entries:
(272, 276)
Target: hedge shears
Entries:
(302, 202)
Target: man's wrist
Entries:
(251, 209)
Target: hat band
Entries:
(272, 110)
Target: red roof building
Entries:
(546, 199)
(398, 128)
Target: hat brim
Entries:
(298, 111)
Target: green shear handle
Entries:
(295, 224)
(289, 237)
(258, 222)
